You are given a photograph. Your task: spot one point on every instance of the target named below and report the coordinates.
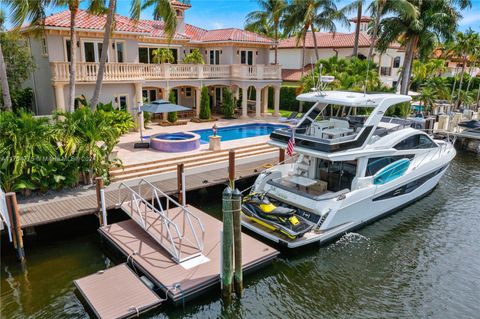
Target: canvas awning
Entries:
(162, 106)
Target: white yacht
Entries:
(352, 165)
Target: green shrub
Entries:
(288, 97)
(22, 99)
(228, 103)
(172, 116)
(205, 112)
(194, 57)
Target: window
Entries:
(68, 48)
(145, 55)
(385, 71)
(375, 164)
(44, 46)
(214, 56)
(121, 102)
(149, 95)
(120, 51)
(396, 62)
(418, 141)
(394, 84)
(92, 51)
(246, 57)
(338, 175)
(188, 92)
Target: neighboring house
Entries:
(233, 58)
(341, 45)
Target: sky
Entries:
(217, 14)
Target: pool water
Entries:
(235, 132)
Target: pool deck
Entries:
(130, 155)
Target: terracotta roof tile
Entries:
(154, 28)
(330, 40)
(294, 75)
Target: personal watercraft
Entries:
(261, 210)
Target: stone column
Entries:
(166, 95)
(265, 101)
(276, 101)
(138, 100)
(244, 102)
(258, 100)
(237, 92)
(198, 97)
(59, 96)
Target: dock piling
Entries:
(227, 246)
(231, 168)
(180, 179)
(16, 229)
(99, 185)
(237, 238)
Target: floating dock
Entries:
(116, 292)
(187, 279)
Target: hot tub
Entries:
(175, 142)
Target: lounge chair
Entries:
(291, 117)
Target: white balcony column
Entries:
(244, 102)
(258, 102)
(237, 92)
(166, 95)
(138, 99)
(276, 100)
(59, 96)
(265, 101)
(198, 98)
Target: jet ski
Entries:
(258, 208)
(472, 124)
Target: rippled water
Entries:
(423, 261)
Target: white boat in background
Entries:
(350, 169)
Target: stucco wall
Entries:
(40, 79)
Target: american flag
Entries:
(291, 144)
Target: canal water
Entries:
(423, 261)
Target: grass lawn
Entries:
(283, 113)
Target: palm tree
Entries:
(73, 7)
(378, 8)
(162, 9)
(359, 4)
(434, 19)
(427, 96)
(270, 13)
(304, 15)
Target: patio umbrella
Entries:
(158, 106)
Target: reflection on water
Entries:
(422, 262)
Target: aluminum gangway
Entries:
(169, 223)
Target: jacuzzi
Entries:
(175, 142)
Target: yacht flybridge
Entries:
(352, 165)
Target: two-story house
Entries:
(337, 44)
(234, 58)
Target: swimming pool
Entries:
(235, 132)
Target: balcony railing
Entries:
(87, 71)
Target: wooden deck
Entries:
(116, 293)
(77, 204)
(185, 280)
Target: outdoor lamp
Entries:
(214, 129)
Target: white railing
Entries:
(4, 218)
(87, 71)
(169, 236)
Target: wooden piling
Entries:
(180, 170)
(281, 155)
(99, 185)
(15, 225)
(231, 168)
(227, 246)
(237, 241)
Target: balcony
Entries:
(114, 72)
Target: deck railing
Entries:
(87, 71)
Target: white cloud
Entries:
(217, 25)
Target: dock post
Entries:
(104, 208)
(227, 246)
(15, 225)
(231, 169)
(180, 169)
(281, 155)
(237, 241)
(99, 184)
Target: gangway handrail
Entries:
(136, 198)
(4, 213)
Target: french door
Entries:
(92, 51)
